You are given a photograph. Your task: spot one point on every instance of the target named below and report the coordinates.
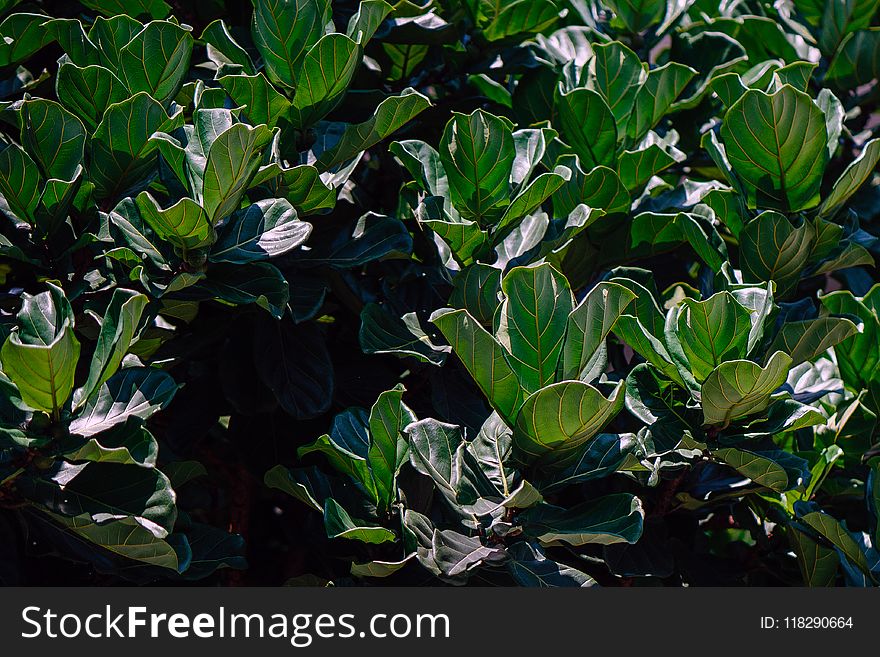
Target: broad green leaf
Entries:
(635, 168)
(484, 358)
(530, 200)
(521, 17)
(41, 356)
(110, 36)
(88, 91)
(712, 331)
(233, 160)
(323, 77)
(842, 17)
(388, 447)
(588, 126)
(184, 224)
(532, 323)
(129, 444)
(605, 453)
(857, 356)
(391, 114)
(638, 15)
(455, 555)
(477, 153)
(22, 36)
(54, 137)
(832, 530)
(132, 392)
(855, 62)
(818, 563)
(589, 324)
(156, 60)
(383, 333)
(284, 30)
(600, 188)
(530, 566)
(303, 187)
(134, 8)
(19, 182)
(654, 98)
(106, 491)
(223, 47)
(434, 450)
(776, 144)
(560, 418)
(739, 388)
(477, 289)
(265, 229)
(118, 327)
(772, 248)
(804, 340)
(379, 568)
(606, 520)
(852, 178)
(617, 74)
(126, 538)
(261, 101)
(123, 156)
(370, 14)
(757, 467)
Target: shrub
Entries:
(536, 293)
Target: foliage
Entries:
(538, 293)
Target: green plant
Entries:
(536, 293)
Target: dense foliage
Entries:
(539, 293)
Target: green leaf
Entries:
(558, 419)
(118, 327)
(88, 91)
(477, 289)
(135, 8)
(617, 74)
(391, 114)
(434, 451)
(156, 60)
(855, 61)
(635, 168)
(757, 467)
(588, 126)
(283, 32)
(772, 248)
(818, 563)
(712, 331)
(477, 152)
(323, 77)
(370, 14)
(857, 356)
(638, 15)
(600, 188)
(843, 17)
(532, 323)
(184, 224)
(123, 156)
(589, 324)
(530, 566)
(776, 144)
(110, 36)
(606, 520)
(126, 538)
(20, 182)
(223, 47)
(265, 229)
(804, 340)
(339, 524)
(22, 35)
(54, 137)
(521, 17)
(739, 388)
(132, 392)
(388, 447)
(834, 532)
(261, 101)
(233, 159)
(41, 356)
(484, 358)
(852, 178)
(654, 98)
(382, 333)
